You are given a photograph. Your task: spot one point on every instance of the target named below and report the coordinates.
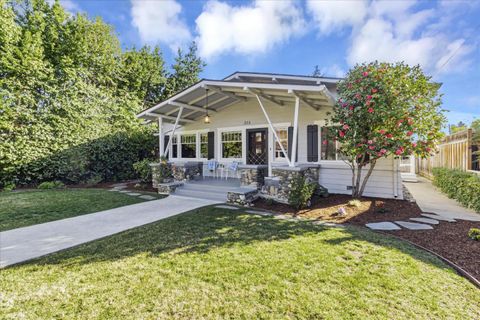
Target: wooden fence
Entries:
(455, 152)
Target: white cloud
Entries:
(160, 21)
(255, 28)
(335, 15)
(69, 5)
(392, 31)
(333, 71)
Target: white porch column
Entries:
(295, 132)
(161, 140)
(173, 130)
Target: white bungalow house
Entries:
(255, 130)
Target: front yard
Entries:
(25, 208)
(215, 263)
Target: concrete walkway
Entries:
(26, 243)
(431, 200)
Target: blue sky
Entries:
(294, 36)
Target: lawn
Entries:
(24, 208)
(218, 264)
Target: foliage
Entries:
(165, 172)
(301, 192)
(9, 186)
(25, 208)
(460, 185)
(385, 109)
(460, 126)
(474, 234)
(51, 185)
(143, 170)
(214, 263)
(69, 94)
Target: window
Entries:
(188, 145)
(204, 145)
(283, 140)
(174, 147)
(232, 144)
(329, 146)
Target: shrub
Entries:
(51, 185)
(301, 193)
(143, 170)
(9, 186)
(474, 234)
(460, 185)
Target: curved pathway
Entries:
(31, 242)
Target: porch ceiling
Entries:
(223, 94)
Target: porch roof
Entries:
(278, 89)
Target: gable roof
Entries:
(239, 86)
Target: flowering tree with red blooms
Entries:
(385, 110)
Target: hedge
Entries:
(460, 185)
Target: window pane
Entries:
(328, 145)
(174, 147)
(283, 139)
(189, 145)
(232, 144)
(204, 145)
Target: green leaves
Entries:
(69, 95)
(460, 185)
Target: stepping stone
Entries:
(133, 194)
(414, 225)
(437, 217)
(386, 225)
(425, 220)
(123, 191)
(226, 207)
(261, 213)
(147, 197)
(282, 217)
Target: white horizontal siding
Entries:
(336, 177)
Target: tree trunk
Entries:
(369, 173)
(357, 182)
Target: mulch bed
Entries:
(447, 239)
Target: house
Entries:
(262, 130)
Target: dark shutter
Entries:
(312, 143)
(290, 143)
(165, 144)
(211, 145)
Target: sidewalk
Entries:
(431, 200)
(26, 243)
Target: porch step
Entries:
(207, 194)
(206, 187)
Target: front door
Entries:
(257, 146)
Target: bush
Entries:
(51, 185)
(354, 203)
(460, 185)
(474, 234)
(301, 193)
(9, 186)
(143, 170)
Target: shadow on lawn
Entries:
(208, 228)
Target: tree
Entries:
(460, 126)
(383, 110)
(316, 71)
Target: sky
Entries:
(292, 37)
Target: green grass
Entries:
(24, 208)
(217, 264)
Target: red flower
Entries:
(414, 144)
(346, 127)
(324, 142)
(371, 147)
(349, 86)
(389, 136)
(381, 131)
(342, 134)
(410, 121)
(369, 97)
(374, 90)
(357, 95)
(383, 151)
(398, 152)
(365, 74)
(370, 141)
(370, 110)
(409, 133)
(351, 108)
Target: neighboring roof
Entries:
(315, 92)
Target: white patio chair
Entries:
(212, 166)
(233, 168)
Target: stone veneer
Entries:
(169, 187)
(279, 185)
(252, 175)
(243, 198)
(191, 170)
(156, 178)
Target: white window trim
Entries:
(220, 157)
(279, 160)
